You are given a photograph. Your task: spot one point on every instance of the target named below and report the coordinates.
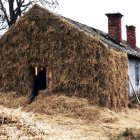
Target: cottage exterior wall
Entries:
(133, 87)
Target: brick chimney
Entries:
(114, 26)
(131, 36)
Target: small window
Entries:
(137, 74)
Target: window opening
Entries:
(137, 74)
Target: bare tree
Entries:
(11, 10)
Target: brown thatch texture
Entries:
(81, 64)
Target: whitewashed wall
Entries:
(132, 77)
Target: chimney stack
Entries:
(114, 26)
(131, 36)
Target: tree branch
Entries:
(18, 10)
(9, 16)
(4, 12)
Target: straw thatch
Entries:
(81, 64)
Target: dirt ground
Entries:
(58, 117)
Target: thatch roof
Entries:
(106, 39)
(81, 63)
(103, 37)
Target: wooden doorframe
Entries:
(49, 77)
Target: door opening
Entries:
(42, 80)
(44, 76)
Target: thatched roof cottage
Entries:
(79, 60)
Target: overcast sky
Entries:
(92, 13)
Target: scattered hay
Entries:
(134, 101)
(105, 123)
(80, 63)
(54, 105)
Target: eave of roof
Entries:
(107, 40)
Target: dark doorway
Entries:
(40, 79)
(39, 82)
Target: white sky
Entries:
(92, 13)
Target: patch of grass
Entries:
(127, 134)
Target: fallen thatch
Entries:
(81, 64)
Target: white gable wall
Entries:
(134, 85)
